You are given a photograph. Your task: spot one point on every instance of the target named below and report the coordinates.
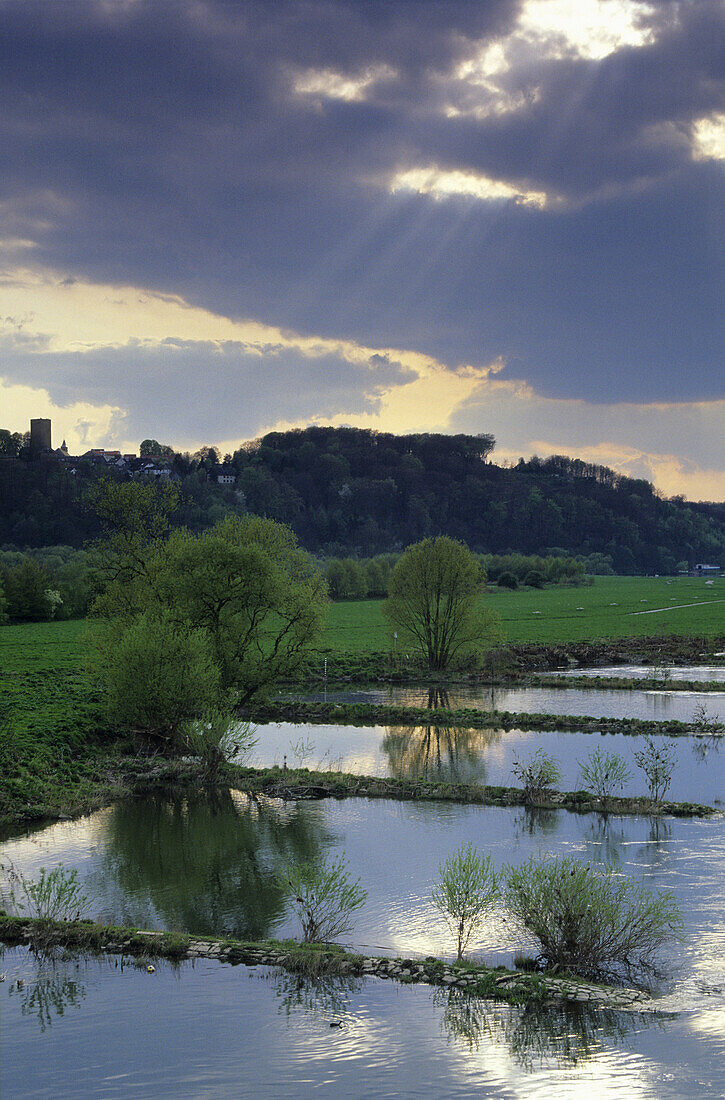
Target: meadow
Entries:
(612, 607)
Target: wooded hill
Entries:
(351, 491)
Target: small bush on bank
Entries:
(508, 580)
(56, 895)
(537, 775)
(603, 773)
(592, 921)
(324, 898)
(218, 738)
(465, 893)
(658, 763)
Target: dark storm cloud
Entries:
(164, 145)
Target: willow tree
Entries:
(434, 603)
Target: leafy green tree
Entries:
(10, 442)
(258, 596)
(156, 674)
(153, 447)
(245, 583)
(26, 586)
(433, 600)
(534, 579)
(135, 520)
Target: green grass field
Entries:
(610, 608)
(42, 647)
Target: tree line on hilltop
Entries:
(349, 492)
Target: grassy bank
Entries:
(127, 776)
(56, 756)
(313, 960)
(374, 714)
(301, 783)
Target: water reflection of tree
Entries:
(561, 1035)
(206, 862)
(656, 850)
(443, 753)
(53, 988)
(703, 746)
(324, 995)
(536, 821)
(610, 836)
(606, 834)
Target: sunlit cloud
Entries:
(329, 84)
(709, 138)
(592, 29)
(61, 314)
(440, 184)
(497, 79)
(82, 424)
(106, 362)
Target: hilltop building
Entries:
(40, 436)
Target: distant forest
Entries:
(347, 491)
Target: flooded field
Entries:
(651, 704)
(453, 754)
(215, 1031)
(211, 863)
(206, 864)
(674, 673)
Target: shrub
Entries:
(534, 579)
(603, 773)
(537, 775)
(156, 674)
(323, 897)
(658, 763)
(702, 722)
(466, 892)
(218, 738)
(593, 921)
(56, 895)
(508, 580)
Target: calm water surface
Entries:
(455, 754)
(87, 1029)
(652, 705)
(713, 673)
(83, 1029)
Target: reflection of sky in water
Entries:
(654, 705)
(465, 755)
(395, 848)
(714, 673)
(230, 1031)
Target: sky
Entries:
(224, 217)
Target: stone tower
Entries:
(39, 436)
